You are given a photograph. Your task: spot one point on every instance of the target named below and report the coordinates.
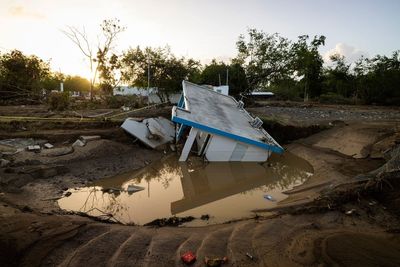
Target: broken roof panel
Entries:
(154, 132)
(220, 114)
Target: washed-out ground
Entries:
(346, 214)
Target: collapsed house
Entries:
(222, 129)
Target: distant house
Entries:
(128, 90)
(260, 95)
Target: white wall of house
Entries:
(221, 148)
(128, 90)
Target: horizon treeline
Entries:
(292, 69)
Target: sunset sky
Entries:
(199, 29)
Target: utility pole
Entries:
(148, 80)
(227, 76)
(219, 77)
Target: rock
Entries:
(88, 138)
(78, 143)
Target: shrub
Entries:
(58, 101)
(332, 98)
(131, 101)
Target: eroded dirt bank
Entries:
(341, 216)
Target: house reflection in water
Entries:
(215, 181)
(225, 190)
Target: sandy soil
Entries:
(329, 220)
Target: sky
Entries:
(202, 30)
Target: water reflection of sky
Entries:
(224, 190)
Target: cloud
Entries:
(20, 11)
(350, 53)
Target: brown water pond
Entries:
(223, 191)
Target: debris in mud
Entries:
(67, 194)
(188, 257)
(215, 262)
(154, 132)
(111, 190)
(249, 256)
(34, 148)
(350, 212)
(269, 197)
(48, 145)
(78, 142)
(134, 188)
(21, 143)
(372, 203)
(205, 217)
(172, 221)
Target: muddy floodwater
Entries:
(166, 188)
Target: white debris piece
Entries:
(78, 143)
(154, 132)
(48, 145)
(34, 148)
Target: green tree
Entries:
(378, 79)
(52, 81)
(22, 76)
(307, 63)
(76, 83)
(267, 58)
(110, 73)
(214, 74)
(338, 79)
(166, 71)
(220, 74)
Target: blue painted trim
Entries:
(182, 127)
(205, 128)
(181, 103)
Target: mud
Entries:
(346, 214)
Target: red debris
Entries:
(188, 257)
